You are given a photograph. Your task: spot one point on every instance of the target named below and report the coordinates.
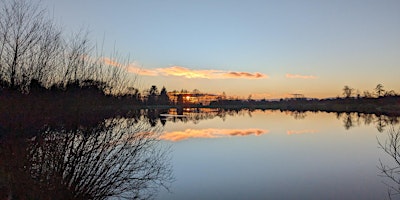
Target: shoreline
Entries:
(84, 108)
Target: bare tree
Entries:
(32, 47)
(75, 54)
(21, 25)
(379, 90)
(45, 57)
(391, 171)
(390, 93)
(5, 26)
(347, 91)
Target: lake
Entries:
(277, 155)
(201, 154)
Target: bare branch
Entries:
(391, 171)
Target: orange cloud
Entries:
(207, 74)
(109, 61)
(291, 132)
(184, 72)
(132, 68)
(244, 75)
(298, 76)
(188, 73)
(209, 133)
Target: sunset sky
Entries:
(264, 48)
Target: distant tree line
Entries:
(154, 97)
(36, 58)
(378, 102)
(378, 91)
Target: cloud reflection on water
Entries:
(210, 133)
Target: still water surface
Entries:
(277, 155)
(206, 153)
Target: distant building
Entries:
(189, 98)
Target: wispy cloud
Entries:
(244, 75)
(207, 74)
(292, 132)
(210, 133)
(109, 61)
(189, 73)
(136, 69)
(298, 76)
(131, 67)
(180, 71)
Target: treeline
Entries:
(378, 91)
(38, 61)
(41, 68)
(153, 97)
(35, 52)
(380, 102)
(381, 105)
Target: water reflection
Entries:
(210, 133)
(117, 158)
(355, 119)
(292, 132)
(195, 115)
(296, 114)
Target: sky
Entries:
(267, 49)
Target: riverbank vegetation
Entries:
(389, 105)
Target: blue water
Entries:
(311, 156)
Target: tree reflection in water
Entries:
(118, 158)
(355, 119)
(297, 114)
(390, 169)
(195, 115)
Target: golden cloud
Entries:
(207, 74)
(298, 76)
(244, 75)
(209, 133)
(188, 73)
(109, 61)
(184, 72)
(291, 132)
(132, 68)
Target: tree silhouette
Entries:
(390, 170)
(163, 98)
(153, 94)
(379, 90)
(25, 34)
(32, 47)
(347, 91)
